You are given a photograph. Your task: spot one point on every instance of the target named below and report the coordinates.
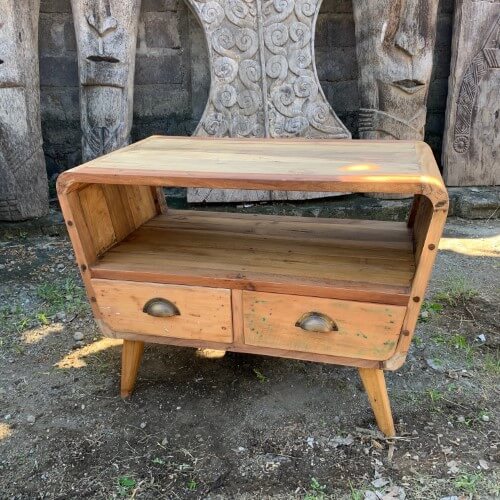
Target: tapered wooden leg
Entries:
(374, 384)
(131, 359)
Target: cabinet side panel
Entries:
(427, 230)
(97, 217)
(421, 224)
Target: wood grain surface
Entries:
(306, 256)
(363, 330)
(205, 313)
(291, 165)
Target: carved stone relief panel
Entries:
(23, 178)
(471, 149)
(394, 44)
(263, 77)
(106, 33)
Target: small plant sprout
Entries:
(316, 490)
(457, 290)
(434, 395)
(468, 482)
(125, 485)
(260, 376)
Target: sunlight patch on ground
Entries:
(35, 335)
(209, 353)
(478, 247)
(75, 359)
(5, 431)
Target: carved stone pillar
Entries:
(263, 77)
(23, 178)
(395, 43)
(471, 149)
(106, 33)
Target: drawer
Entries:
(341, 328)
(198, 313)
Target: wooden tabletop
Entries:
(283, 164)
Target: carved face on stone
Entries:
(106, 33)
(395, 54)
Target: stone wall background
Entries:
(172, 75)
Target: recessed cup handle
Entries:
(316, 322)
(161, 308)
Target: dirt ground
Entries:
(245, 426)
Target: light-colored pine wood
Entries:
(364, 330)
(132, 351)
(236, 347)
(237, 314)
(430, 244)
(421, 225)
(119, 210)
(81, 240)
(303, 256)
(376, 390)
(290, 165)
(205, 313)
(427, 223)
(369, 276)
(97, 216)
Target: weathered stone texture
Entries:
(172, 75)
(471, 147)
(23, 180)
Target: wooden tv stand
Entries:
(335, 291)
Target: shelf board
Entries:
(337, 258)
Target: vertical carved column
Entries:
(106, 33)
(395, 43)
(471, 149)
(263, 79)
(23, 179)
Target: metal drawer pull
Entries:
(161, 308)
(316, 322)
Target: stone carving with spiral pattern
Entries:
(264, 80)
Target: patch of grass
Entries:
(431, 308)
(484, 415)
(434, 395)
(192, 485)
(125, 485)
(316, 490)
(260, 376)
(418, 341)
(457, 290)
(355, 493)
(459, 342)
(67, 296)
(468, 482)
(491, 363)
(439, 338)
(42, 319)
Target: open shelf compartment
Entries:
(336, 258)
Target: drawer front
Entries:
(198, 313)
(321, 326)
